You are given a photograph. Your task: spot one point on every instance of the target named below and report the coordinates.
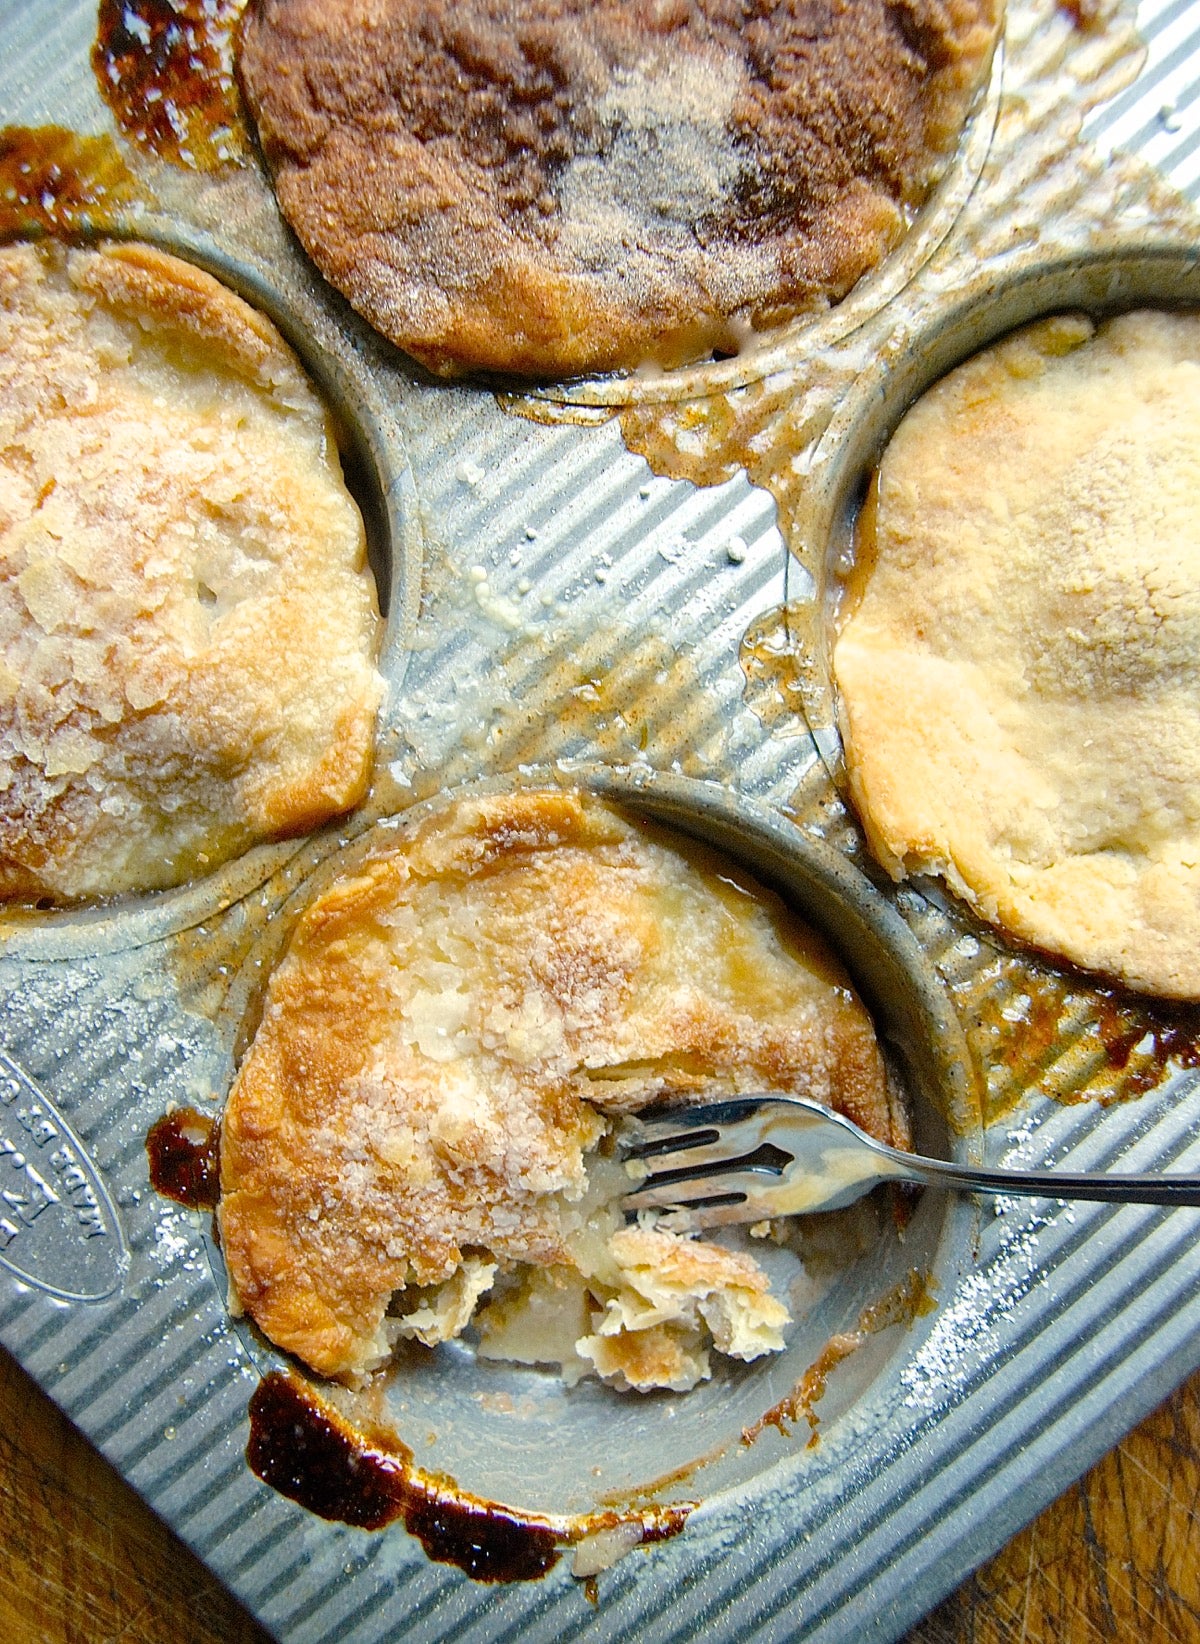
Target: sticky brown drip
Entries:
(165, 68)
(54, 182)
(760, 431)
(778, 660)
(183, 1152)
(309, 1453)
(1034, 1025)
(904, 1302)
(1027, 1041)
(646, 1493)
(1086, 14)
(1159, 1033)
(708, 441)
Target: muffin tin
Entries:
(560, 608)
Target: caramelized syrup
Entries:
(183, 1151)
(1158, 1033)
(778, 659)
(903, 1303)
(54, 182)
(312, 1455)
(1034, 1025)
(165, 68)
(1085, 14)
(706, 440)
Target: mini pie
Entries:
(186, 617)
(414, 1141)
(574, 185)
(1020, 668)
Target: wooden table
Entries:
(84, 1561)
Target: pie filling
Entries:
(420, 1139)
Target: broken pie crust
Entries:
(419, 1137)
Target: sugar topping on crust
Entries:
(187, 624)
(416, 1123)
(1019, 672)
(579, 185)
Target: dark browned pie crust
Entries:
(579, 185)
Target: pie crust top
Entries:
(1019, 672)
(187, 621)
(574, 185)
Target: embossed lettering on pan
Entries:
(59, 1228)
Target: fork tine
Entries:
(702, 1163)
(722, 1162)
(684, 1141)
(727, 1127)
(766, 1159)
(703, 1201)
(676, 1115)
(680, 1157)
(741, 1176)
(725, 1210)
(655, 1195)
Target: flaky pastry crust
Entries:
(443, 1044)
(579, 185)
(186, 619)
(1018, 677)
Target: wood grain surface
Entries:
(1116, 1557)
(84, 1561)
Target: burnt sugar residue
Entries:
(1085, 14)
(487, 1543)
(53, 182)
(307, 1451)
(183, 1149)
(911, 1298)
(1019, 1017)
(1036, 1025)
(710, 438)
(166, 69)
(1144, 1038)
(778, 660)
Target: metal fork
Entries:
(750, 1158)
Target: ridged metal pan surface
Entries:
(590, 579)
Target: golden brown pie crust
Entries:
(186, 618)
(1019, 676)
(579, 185)
(448, 1034)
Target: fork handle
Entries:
(1053, 1184)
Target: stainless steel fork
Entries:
(754, 1157)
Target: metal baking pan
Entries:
(594, 580)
